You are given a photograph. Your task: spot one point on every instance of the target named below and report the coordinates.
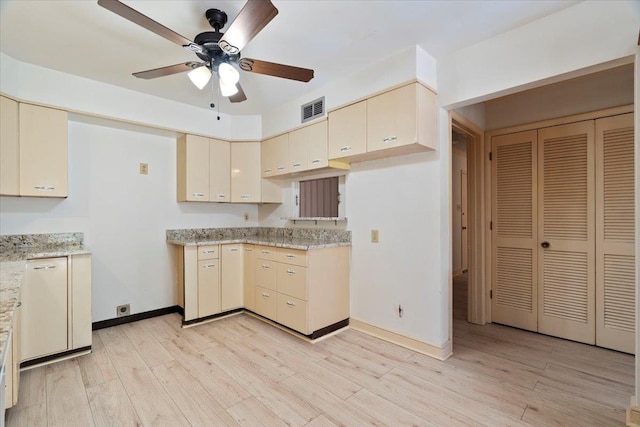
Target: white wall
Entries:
(566, 43)
(123, 214)
(607, 89)
(459, 164)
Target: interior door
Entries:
(514, 238)
(463, 221)
(615, 215)
(566, 231)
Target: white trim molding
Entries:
(440, 352)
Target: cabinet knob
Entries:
(266, 252)
(220, 196)
(291, 256)
(280, 168)
(267, 171)
(233, 249)
(545, 245)
(198, 195)
(209, 266)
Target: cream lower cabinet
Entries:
(12, 366)
(231, 277)
(306, 291)
(249, 277)
(56, 306)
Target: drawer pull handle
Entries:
(44, 188)
(315, 161)
(291, 256)
(220, 196)
(44, 267)
(198, 195)
(265, 295)
(280, 168)
(265, 266)
(248, 250)
(212, 251)
(297, 165)
(233, 249)
(389, 139)
(19, 304)
(291, 272)
(291, 303)
(346, 148)
(209, 266)
(245, 196)
(267, 171)
(266, 252)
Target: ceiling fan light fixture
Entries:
(228, 73)
(200, 76)
(228, 89)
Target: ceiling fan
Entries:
(218, 51)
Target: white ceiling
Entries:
(335, 38)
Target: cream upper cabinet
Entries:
(219, 171)
(275, 156)
(43, 151)
(298, 149)
(9, 151)
(404, 116)
(348, 131)
(246, 184)
(193, 169)
(308, 147)
(231, 277)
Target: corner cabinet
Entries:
(33, 150)
(306, 291)
(56, 307)
(203, 169)
(399, 121)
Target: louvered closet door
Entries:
(514, 277)
(615, 261)
(566, 210)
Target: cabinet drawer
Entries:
(266, 274)
(208, 252)
(292, 312)
(292, 256)
(266, 302)
(292, 280)
(266, 252)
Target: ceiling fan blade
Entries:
(253, 17)
(277, 70)
(239, 96)
(167, 71)
(144, 21)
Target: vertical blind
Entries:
(319, 198)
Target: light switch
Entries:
(144, 168)
(375, 236)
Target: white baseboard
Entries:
(438, 352)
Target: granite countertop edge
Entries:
(13, 264)
(301, 245)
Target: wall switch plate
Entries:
(144, 168)
(246, 216)
(123, 310)
(375, 236)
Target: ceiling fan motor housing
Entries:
(217, 18)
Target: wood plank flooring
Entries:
(241, 372)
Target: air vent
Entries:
(311, 110)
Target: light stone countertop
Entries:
(301, 244)
(13, 261)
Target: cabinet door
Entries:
(9, 153)
(392, 119)
(44, 308)
(193, 169)
(266, 301)
(268, 158)
(81, 296)
(246, 184)
(231, 277)
(219, 171)
(298, 149)
(208, 287)
(281, 154)
(249, 278)
(292, 312)
(43, 151)
(317, 146)
(266, 273)
(348, 131)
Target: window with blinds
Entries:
(319, 198)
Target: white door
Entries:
(615, 214)
(463, 222)
(514, 235)
(566, 231)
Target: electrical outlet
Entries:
(123, 310)
(144, 168)
(246, 216)
(375, 236)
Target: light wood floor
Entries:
(240, 371)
